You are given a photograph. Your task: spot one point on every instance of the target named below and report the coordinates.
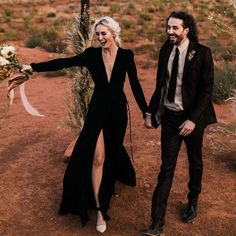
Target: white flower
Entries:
(3, 61)
(7, 51)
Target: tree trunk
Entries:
(84, 18)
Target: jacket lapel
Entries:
(192, 49)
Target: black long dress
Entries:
(108, 112)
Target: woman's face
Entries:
(105, 36)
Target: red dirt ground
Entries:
(32, 168)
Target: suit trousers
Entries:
(170, 145)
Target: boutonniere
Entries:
(191, 55)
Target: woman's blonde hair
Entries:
(112, 25)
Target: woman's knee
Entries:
(98, 160)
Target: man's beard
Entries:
(176, 40)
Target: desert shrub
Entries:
(61, 22)
(145, 17)
(225, 82)
(10, 35)
(131, 6)
(152, 9)
(72, 7)
(126, 24)
(151, 34)
(28, 18)
(54, 46)
(51, 14)
(40, 20)
(129, 36)
(2, 30)
(7, 15)
(50, 35)
(161, 38)
(114, 8)
(7, 12)
(34, 41)
(215, 45)
(144, 48)
(52, 41)
(232, 49)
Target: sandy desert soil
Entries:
(32, 168)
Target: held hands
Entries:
(26, 68)
(186, 128)
(148, 121)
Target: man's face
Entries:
(176, 32)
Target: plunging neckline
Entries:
(109, 81)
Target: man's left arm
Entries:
(207, 82)
(204, 94)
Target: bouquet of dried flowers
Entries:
(10, 71)
(9, 65)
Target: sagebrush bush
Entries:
(126, 24)
(225, 82)
(51, 14)
(49, 40)
(145, 17)
(58, 45)
(34, 41)
(50, 35)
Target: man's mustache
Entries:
(173, 35)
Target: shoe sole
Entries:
(189, 221)
(158, 234)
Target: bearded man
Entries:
(182, 104)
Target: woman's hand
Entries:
(148, 121)
(26, 68)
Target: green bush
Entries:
(145, 17)
(10, 35)
(51, 14)
(225, 82)
(50, 35)
(34, 41)
(54, 46)
(126, 24)
(115, 8)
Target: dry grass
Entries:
(23, 1)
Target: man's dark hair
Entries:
(188, 22)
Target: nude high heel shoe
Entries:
(101, 228)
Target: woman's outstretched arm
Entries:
(60, 63)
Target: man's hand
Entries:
(148, 121)
(187, 128)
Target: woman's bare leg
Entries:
(97, 171)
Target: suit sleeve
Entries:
(61, 63)
(134, 83)
(206, 87)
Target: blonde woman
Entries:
(99, 158)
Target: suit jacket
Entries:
(197, 84)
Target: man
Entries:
(182, 99)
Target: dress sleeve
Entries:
(134, 82)
(61, 63)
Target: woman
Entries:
(99, 157)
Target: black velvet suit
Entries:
(107, 112)
(197, 85)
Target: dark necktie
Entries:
(173, 77)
